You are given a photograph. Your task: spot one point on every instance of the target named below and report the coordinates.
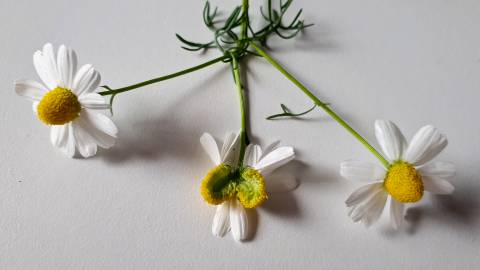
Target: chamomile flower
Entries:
(236, 188)
(410, 173)
(65, 100)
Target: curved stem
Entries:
(243, 113)
(322, 105)
(163, 78)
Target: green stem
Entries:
(244, 27)
(164, 78)
(321, 104)
(243, 113)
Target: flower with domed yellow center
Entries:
(66, 101)
(235, 188)
(410, 173)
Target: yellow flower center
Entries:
(404, 183)
(58, 107)
(223, 183)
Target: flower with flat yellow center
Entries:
(404, 183)
(58, 107)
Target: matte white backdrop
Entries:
(137, 206)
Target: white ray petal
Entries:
(58, 135)
(425, 145)
(45, 70)
(391, 139)
(86, 145)
(396, 213)
(68, 147)
(275, 159)
(445, 170)
(361, 170)
(437, 185)
(100, 128)
(238, 221)
(375, 209)
(86, 80)
(67, 66)
(221, 220)
(253, 153)
(93, 101)
(211, 148)
(30, 89)
(363, 193)
(230, 149)
(361, 212)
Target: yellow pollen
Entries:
(58, 107)
(404, 183)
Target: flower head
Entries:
(233, 187)
(66, 101)
(410, 173)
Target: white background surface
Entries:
(137, 206)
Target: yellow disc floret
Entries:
(251, 190)
(58, 107)
(404, 183)
(218, 186)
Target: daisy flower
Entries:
(65, 101)
(236, 188)
(409, 174)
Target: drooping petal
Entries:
(425, 145)
(396, 213)
(275, 159)
(361, 170)
(368, 209)
(253, 153)
(363, 193)
(437, 185)
(30, 89)
(67, 66)
(445, 170)
(221, 220)
(238, 221)
(86, 145)
(391, 139)
(86, 80)
(100, 128)
(279, 183)
(93, 101)
(375, 209)
(230, 149)
(211, 148)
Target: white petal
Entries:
(67, 66)
(58, 135)
(34, 107)
(445, 170)
(68, 145)
(396, 213)
(101, 129)
(361, 170)
(93, 101)
(363, 193)
(368, 211)
(275, 159)
(375, 209)
(425, 145)
(86, 145)
(230, 149)
(437, 185)
(210, 146)
(86, 80)
(238, 221)
(29, 89)
(391, 139)
(221, 220)
(280, 183)
(253, 153)
(45, 70)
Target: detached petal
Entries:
(396, 213)
(221, 220)
(275, 159)
(437, 185)
(238, 221)
(391, 139)
(426, 145)
(361, 170)
(30, 89)
(210, 146)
